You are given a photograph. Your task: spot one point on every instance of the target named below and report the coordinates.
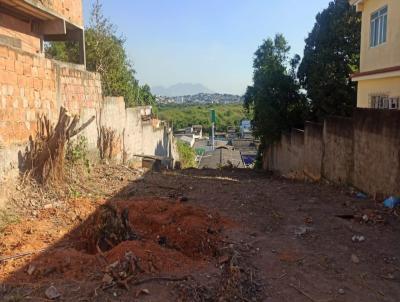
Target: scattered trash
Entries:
(162, 240)
(389, 277)
(366, 216)
(355, 259)
(31, 269)
(142, 291)
(341, 291)
(308, 220)
(346, 216)
(183, 199)
(302, 231)
(392, 202)
(361, 195)
(358, 238)
(52, 293)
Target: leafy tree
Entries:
(63, 51)
(275, 98)
(331, 54)
(106, 54)
(146, 96)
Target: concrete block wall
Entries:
(297, 151)
(362, 151)
(137, 136)
(337, 164)
(313, 150)
(286, 156)
(377, 151)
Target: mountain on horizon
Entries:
(180, 90)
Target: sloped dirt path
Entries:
(204, 235)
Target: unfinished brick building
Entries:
(31, 84)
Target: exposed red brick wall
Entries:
(69, 9)
(79, 89)
(21, 30)
(32, 85)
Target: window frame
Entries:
(378, 27)
(384, 101)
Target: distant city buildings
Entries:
(246, 130)
(236, 148)
(201, 98)
(189, 135)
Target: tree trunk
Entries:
(44, 158)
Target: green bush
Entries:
(77, 151)
(187, 155)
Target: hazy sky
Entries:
(210, 42)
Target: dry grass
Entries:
(7, 217)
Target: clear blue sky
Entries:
(211, 42)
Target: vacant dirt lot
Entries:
(200, 235)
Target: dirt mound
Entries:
(163, 236)
(193, 231)
(153, 258)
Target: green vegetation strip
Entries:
(187, 115)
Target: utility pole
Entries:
(213, 120)
(213, 136)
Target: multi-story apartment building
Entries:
(379, 75)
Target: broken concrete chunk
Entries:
(52, 293)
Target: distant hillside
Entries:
(180, 89)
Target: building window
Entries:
(394, 103)
(384, 102)
(379, 22)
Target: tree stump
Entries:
(45, 155)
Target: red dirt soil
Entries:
(192, 237)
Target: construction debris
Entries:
(52, 293)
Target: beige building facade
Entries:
(379, 75)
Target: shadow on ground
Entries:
(148, 241)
